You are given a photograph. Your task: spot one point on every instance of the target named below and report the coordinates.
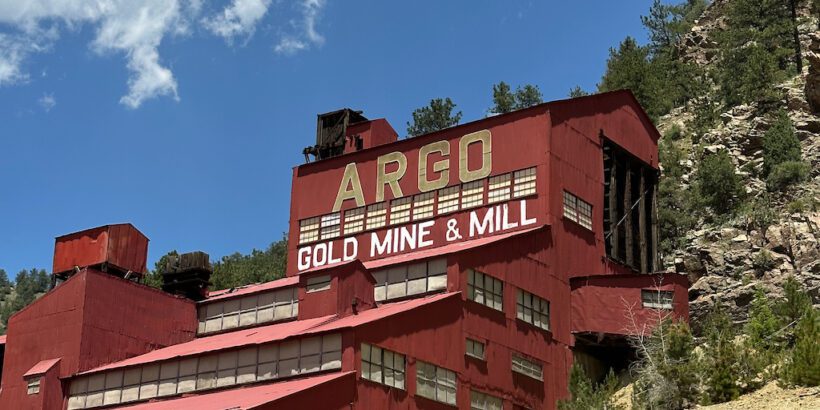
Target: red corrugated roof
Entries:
(250, 289)
(241, 398)
(41, 367)
(274, 332)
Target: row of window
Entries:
(410, 279)
(266, 362)
(577, 210)
(489, 291)
(469, 195)
(250, 310)
(433, 382)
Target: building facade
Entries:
(467, 268)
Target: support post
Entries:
(642, 221)
(628, 245)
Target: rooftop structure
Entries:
(465, 268)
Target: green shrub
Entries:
(719, 187)
(763, 262)
(763, 323)
(759, 214)
(787, 174)
(803, 367)
(666, 370)
(791, 307)
(780, 144)
(720, 364)
(587, 395)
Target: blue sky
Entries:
(188, 128)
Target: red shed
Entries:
(120, 246)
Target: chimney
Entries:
(187, 275)
(345, 131)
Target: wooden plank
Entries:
(613, 207)
(642, 221)
(628, 245)
(654, 254)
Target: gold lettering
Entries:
(443, 166)
(351, 180)
(486, 139)
(391, 178)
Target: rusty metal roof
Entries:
(274, 332)
(41, 367)
(240, 398)
(251, 289)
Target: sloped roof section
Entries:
(41, 367)
(251, 289)
(274, 332)
(242, 398)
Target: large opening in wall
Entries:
(630, 211)
(599, 355)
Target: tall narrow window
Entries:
(524, 182)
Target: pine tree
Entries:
(721, 358)
(577, 92)
(763, 324)
(527, 96)
(434, 117)
(803, 368)
(503, 98)
(718, 186)
(791, 307)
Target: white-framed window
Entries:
(435, 383)
(33, 385)
(485, 289)
(484, 401)
(423, 205)
(318, 283)
(263, 307)
(474, 348)
(448, 199)
(527, 367)
(331, 224)
(309, 230)
(499, 188)
(577, 210)
(400, 210)
(532, 309)
(410, 279)
(383, 366)
(524, 182)
(227, 368)
(657, 299)
(354, 220)
(472, 194)
(376, 215)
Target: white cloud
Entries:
(308, 35)
(47, 102)
(134, 29)
(237, 19)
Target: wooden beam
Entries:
(628, 246)
(613, 207)
(642, 221)
(654, 254)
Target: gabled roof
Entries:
(241, 398)
(274, 332)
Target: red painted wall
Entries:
(120, 245)
(348, 282)
(91, 319)
(600, 304)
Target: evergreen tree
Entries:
(627, 68)
(527, 96)
(503, 98)
(577, 92)
(718, 186)
(780, 144)
(789, 309)
(675, 216)
(803, 368)
(437, 116)
(667, 23)
(720, 359)
(5, 284)
(584, 394)
(258, 266)
(763, 324)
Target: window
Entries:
(472, 194)
(475, 349)
(435, 383)
(383, 366)
(485, 289)
(527, 367)
(330, 225)
(657, 299)
(248, 365)
(309, 230)
(423, 205)
(524, 182)
(499, 188)
(400, 210)
(448, 199)
(376, 216)
(576, 210)
(483, 401)
(252, 309)
(318, 283)
(354, 220)
(532, 309)
(33, 385)
(412, 279)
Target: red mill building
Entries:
(464, 269)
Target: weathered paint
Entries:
(121, 245)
